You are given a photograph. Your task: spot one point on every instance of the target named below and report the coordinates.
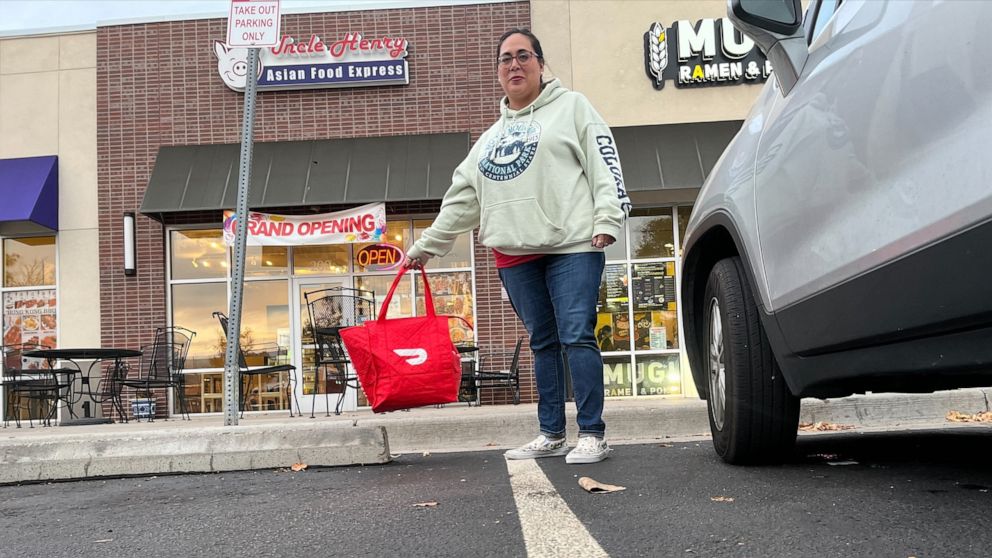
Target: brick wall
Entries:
(157, 85)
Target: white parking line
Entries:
(549, 526)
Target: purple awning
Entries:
(29, 188)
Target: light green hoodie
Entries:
(544, 179)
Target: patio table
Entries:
(72, 356)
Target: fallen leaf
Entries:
(431, 504)
(823, 426)
(299, 466)
(665, 445)
(595, 487)
(427, 454)
(956, 416)
(721, 498)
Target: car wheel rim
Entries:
(717, 369)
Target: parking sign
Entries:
(253, 23)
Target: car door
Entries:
(872, 156)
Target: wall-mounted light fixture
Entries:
(130, 267)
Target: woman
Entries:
(545, 188)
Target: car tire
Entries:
(753, 415)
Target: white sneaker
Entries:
(542, 446)
(589, 450)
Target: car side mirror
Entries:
(776, 26)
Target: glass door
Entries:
(314, 389)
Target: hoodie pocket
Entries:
(518, 224)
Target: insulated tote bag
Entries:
(405, 362)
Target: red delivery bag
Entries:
(405, 362)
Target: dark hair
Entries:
(535, 43)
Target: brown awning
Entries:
(671, 156)
(305, 173)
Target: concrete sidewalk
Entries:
(265, 441)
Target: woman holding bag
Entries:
(545, 188)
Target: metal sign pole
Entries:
(232, 385)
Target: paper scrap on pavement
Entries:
(848, 462)
(431, 504)
(823, 426)
(666, 445)
(299, 466)
(593, 486)
(956, 416)
(721, 498)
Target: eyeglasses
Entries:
(522, 56)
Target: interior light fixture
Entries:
(130, 265)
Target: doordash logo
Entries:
(414, 357)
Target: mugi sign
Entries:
(711, 52)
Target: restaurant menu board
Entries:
(616, 285)
(29, 317)
(654, 286)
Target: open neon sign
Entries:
(379, 257)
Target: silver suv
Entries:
(842, 242)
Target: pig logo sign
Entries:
(232, 65)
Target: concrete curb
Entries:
(894, 409)
(199, 450)
(504, 427)
(267, 442)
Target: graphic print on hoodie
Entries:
(507, 155)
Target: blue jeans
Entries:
(555, 297)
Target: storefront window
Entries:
(199, 286)
(613, 320)
(266, 261)
(460, 255)
(452, 294)
(684, 212)
(30, 313)
(616, 376)
(658, 375)
(617, 250)
(265, 323)
(198, 254)
(29, 262)
(652, 235)
(29, 317)
(400, 306)
(321, 259)
(655, 315)
(204, 393)
(192, 308)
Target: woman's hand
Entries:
(602, 240)
(412, 263)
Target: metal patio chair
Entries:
(36, 386)
(246, 373)
(161, 367)
(490, 376)
(331, 310)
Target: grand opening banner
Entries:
(359, 225)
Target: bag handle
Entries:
(428, 299)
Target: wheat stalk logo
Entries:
(656, 53)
